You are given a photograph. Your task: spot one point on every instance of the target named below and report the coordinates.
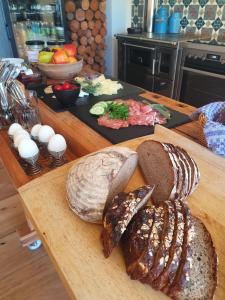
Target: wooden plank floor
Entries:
(24, 275)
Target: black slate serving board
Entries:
(55, 105)
(123, 134)
(82, 106)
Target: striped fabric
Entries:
(214, 129)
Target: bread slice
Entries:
(199, 281)
(162, 256)
(155, 240)
(157, 169)
(135, 241)
(170, 269)
(97, 178)
(119, 213)
(183, 262)
(140, 268)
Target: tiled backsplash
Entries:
(198, 16)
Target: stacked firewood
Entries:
(87, 25)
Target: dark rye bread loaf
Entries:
(169, 168)
(118, 214)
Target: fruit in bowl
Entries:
(66, 93)
(60, 63)
(65, 55)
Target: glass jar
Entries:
(32, 50)
(55, 44)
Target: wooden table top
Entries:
(74, 245)
(81, 139)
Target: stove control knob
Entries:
(203, 58)
(189, 56)
(195, 57)
(222, 61)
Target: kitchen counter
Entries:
(170, 39)
(80, 138)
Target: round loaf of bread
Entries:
(98, 177)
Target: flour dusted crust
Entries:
(97, 178)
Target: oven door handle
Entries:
(205, 73)
(140, 47)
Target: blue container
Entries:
(174, 23)
(161, 21)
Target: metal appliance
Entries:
(33, 20)
(150, 66)
(150, 7)
(202, 75)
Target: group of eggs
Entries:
(25, 142)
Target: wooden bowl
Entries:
(61, 71)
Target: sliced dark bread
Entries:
(170, 269)
(183, 262)
(157, 169)
(184, 171)
(161, 164)
(162, 255)
(150, 252)
(120, 210)
(135, 240)
(180, 172)
(199, 281)
(140, 268)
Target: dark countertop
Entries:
(171, 39)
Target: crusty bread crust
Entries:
(120, 210)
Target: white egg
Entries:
(27, 148)
(20, 137)
(35, 130)
(45, 133)
(13, 128)
(19, 131)
(57, 143)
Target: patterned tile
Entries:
(220, 3)
(191, 29)
(193, 12)
(207, 31)
(202, 3)
(217, 24)
(184, 22)
(179, 8)
(186, 2)
(200, 23)
(221, 35)
(210, 12)
(204, 16)
(172, 2)
(223, 15)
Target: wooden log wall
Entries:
(87, 25)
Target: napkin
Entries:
(214, 128)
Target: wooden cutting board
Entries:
(74, 245)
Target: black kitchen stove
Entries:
(208, 41)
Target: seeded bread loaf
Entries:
(119, 213)
(97, 178)
(169, 168)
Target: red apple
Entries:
(70, 49)
(60, 57)
(58, 87)
(67, 86)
